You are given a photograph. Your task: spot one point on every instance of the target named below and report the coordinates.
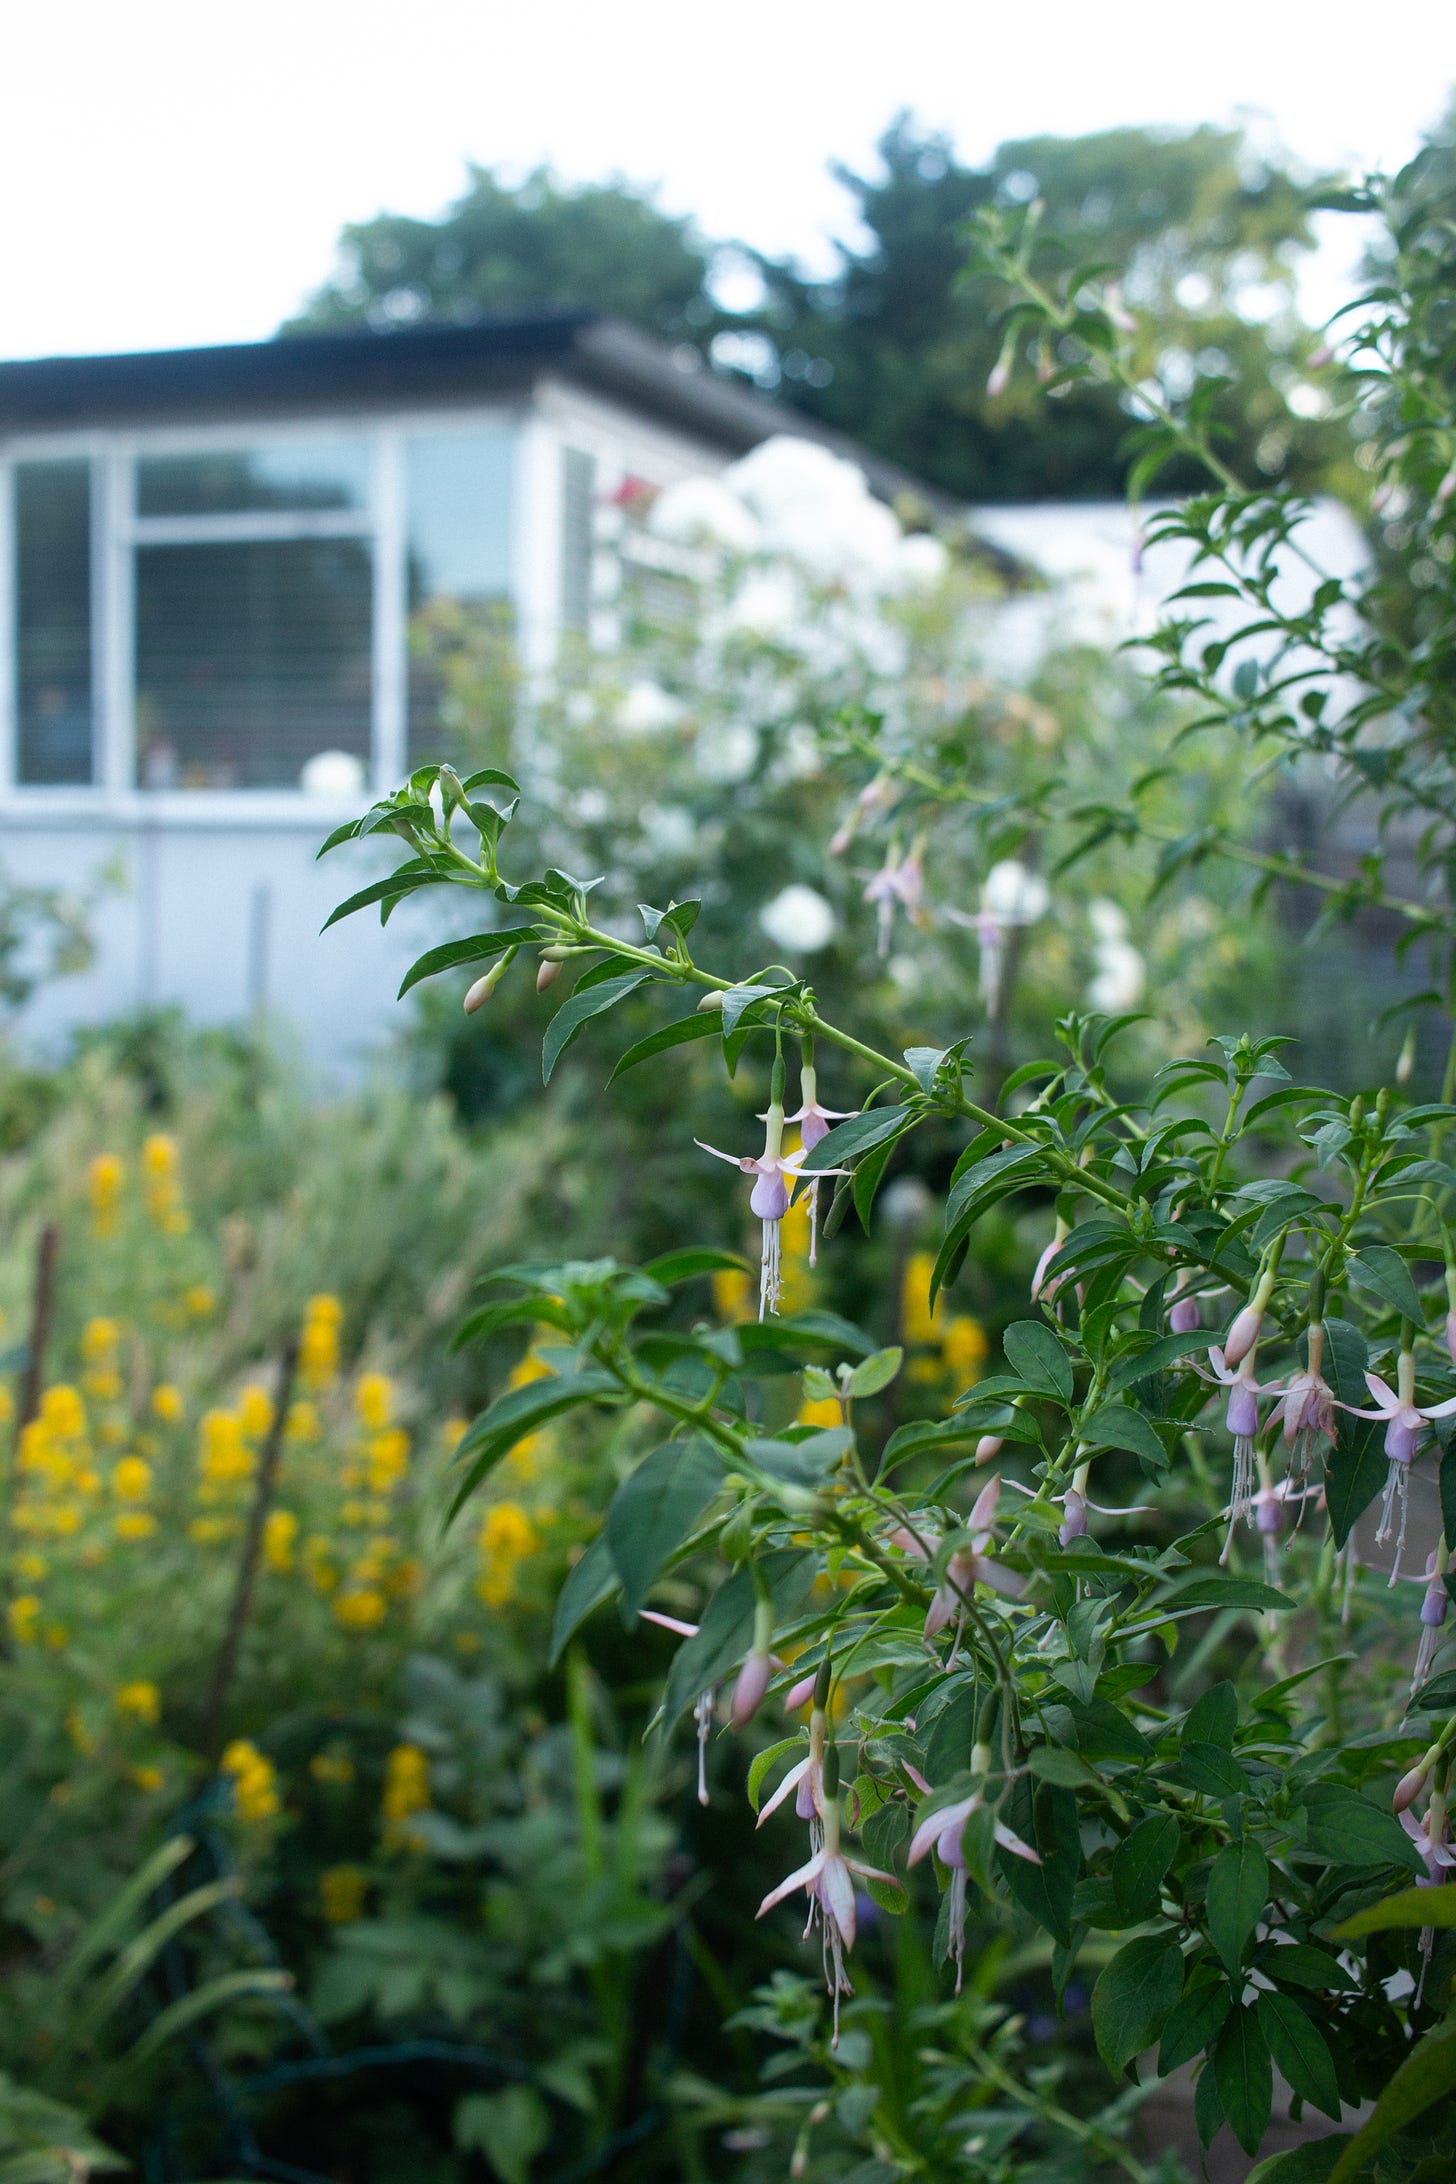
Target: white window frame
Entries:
(117, 531)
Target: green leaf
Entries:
(1300, 2052)
(392, 888)
(519, 1412)
(478, 948)
(876, 1372)
(1345, 1827)
(762, 1761)
(670, 1035)
(1223, 1589)
(1311, 2164)
(1154, 1358)
(802, 1463)
(1140, 1863)
(1408, 1907)
(1238, 1889)
(212, 1994)
(654, 1510)
(857, 1136)
(509, 2128)
(1213, 1771)
(579, 1010)
(1245, 2080)
(1194, 2025)
(1299, 1965)
(1053, 1763)
(1035, 1356)
(1118, 1425)
(1213, 1717)
(1382, 1272)
(737, 1000)
(1134, 1997)
(1427, 2074)
(1355, 1467)
(691, 1261)
(588, 1583)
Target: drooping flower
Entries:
(1242, 1420)
(899, 883)
(944, 1831)
(775, 1174)
(815, 1123)
(1307, 1408)
(1043, 1290)
(968, 1566)
(1405, 1421)
(1264, 1509)
(1431, 1837)
(827, 1877)
(1434, 1603)
(703, 1705)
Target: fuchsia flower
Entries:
(1405, 1422)
(1265, 1509)
(1307, 1408)
(1075, 1505)
(1434, 1603)
(776, 1173)
(1242, 1420)
(1043, 1290)
(968, 1566)
(899, 882)
(1184, 1316)
(827, 1877)
(814, 1123)
(1431, 1837)
(944, 1830)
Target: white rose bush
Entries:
(1139, 1647)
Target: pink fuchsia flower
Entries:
(814, 1123)
(1265, 1509)
(1042, 1289)
(944, 1832)
(968, 1566)
(1307, 1408)
(828, 1879)
(703, 1705)
(1435, 1602)
(876, 795)
(1405, 1421)
(899, 883)
(1184, 1316)
(1431, 1837)
(1242, 1420)
(805, 1778)
(1075, 1505)
(775, 1175)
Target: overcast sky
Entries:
(177, 171)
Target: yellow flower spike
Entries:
(318, 1346)
(406, 1783)
(159, 1158)
(302, 1423)
(734, 1294)
(280, 1532)
(453, 1432)
(964, 1347)
(150, 1779)
(255, 1797)
(139, 1701)
(132, 1479)
(62, 1412)
(105, 1178)
(135, 1524)
(918, 1323)
(200, 1301)
(255, 1411)
(23, 1616)
(360, 1607)
(223, 1456)
(374, 1401)
(167, 1404)
(99, 1340)
(342, 1890)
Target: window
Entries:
(52, 594)
(458, 509)
(578, 538)
(271, 610)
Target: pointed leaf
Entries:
(1140, 1863)
(1355, 1467)
(1035, 1356)
(1133, 1998)
(858, 1135)
(1244, 2076)
(588, 1583)
(1383, 1273)
(579, 1010)
(477, 948)
(1238, 1889)
(655, 1510)
(1194, 2025)
(686, 1029)
(1300, 2052)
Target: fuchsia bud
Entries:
(1184, 1317)
(801, 1693)
(989, 1447)
(1248, 1324)
(753, 1682)
(484, 987)
(1074, 1516)
(999, 380)
(547, 975)
(1451, 1335)
(1410, 1785)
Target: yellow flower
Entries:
(223, 1456)
(211, 1531)
(79, 1733)
(132, 1479)
(505, 1539)
(163, 1186)
(255, 1796)
(99, 1339)
(167, 1404)
(360, 1607)
(406, 1783)
(200, 1301)
(135, 1524)
(23, 1616)
(32, 1568)
(964, 1347)
(734, 1295)
(65, 1520)
(104, 1180)
(342, 1889)
(318, 1349)
(531, 1367)
(105, 1386)
(279, 1533)
(302, 1423)
(7, 1401)
(374, 1401)
(159, 1157)
(388, 1454)
(141, 1701)
(255, 1412)
(918, 1323)
(150, 1779)
(331, 1767)
(62, 1412)
(87, 1481)
(823, 1412)
(453, 1432)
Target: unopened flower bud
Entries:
(989, 1447)
(548, 974)
(1320, 357)
(999, 380)
(1074, 1516)
(484, 987)
(801, 1693)
(709, 1003)
(1243, 1334)
(1184, 1317)
(1411, 1784)
(748, 1693)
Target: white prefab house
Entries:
(209, 561)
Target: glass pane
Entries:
(458, 488)
(296, 475)
(250, 661)
(53, 622)
(578, 538)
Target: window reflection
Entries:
(458, 500)
(53, 622)
(302, 476)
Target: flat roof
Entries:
(499, 356)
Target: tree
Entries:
(500, 249)
(898, 346)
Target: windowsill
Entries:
(177, 808)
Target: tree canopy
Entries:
(896, 345)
